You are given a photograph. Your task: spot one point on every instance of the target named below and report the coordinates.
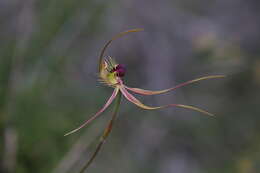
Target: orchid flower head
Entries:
(111, 74)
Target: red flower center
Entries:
(120, 70)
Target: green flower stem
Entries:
(105, 133)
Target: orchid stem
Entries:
(105, 133)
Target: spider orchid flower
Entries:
(111, 74)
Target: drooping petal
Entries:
(148, 92)
(105, 134)
(134, 100)
(110, 100)
(192, 108)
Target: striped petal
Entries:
(134, 100)
(110, 100)
(148, 92)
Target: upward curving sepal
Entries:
(110, 41)
(149, 92)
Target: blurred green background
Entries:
(48, 85)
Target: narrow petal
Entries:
(134, 100)
(192, 108)
(110, 100)
(148, 92)
(105, 134)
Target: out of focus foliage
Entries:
(48, 86)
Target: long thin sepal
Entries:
(110, 41)
(134, 100)
(148, 92)
(192, 108)
(110, 100)
(105, 133)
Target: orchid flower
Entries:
(111, 74)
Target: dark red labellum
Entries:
(120, 70)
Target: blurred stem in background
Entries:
(11, 78)
(8, 131)
(33, 54)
